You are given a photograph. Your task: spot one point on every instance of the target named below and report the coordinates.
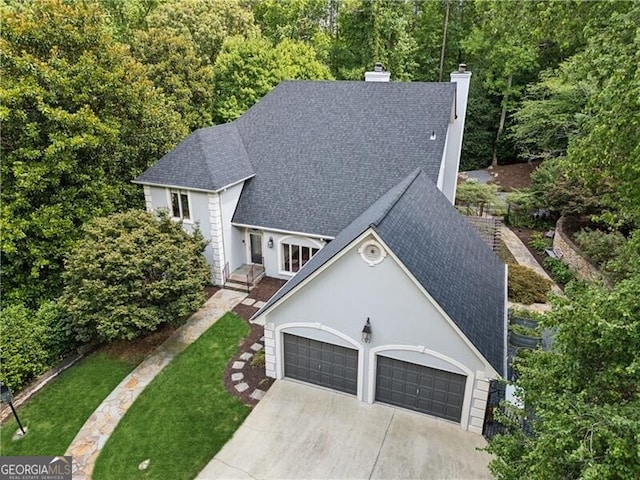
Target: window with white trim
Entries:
(180, 207)
(295, 256)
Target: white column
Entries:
(217, 245)
(269, 351)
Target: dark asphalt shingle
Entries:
(208, 159)
(325, 151)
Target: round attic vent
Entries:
(372, 252)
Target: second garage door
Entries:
(419, 388)
(321, 363)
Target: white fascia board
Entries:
(288, 232)
(178, 187)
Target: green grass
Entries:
(56, 413)
(184, 417)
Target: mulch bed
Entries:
(254, 375)
(513, 176)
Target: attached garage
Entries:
(423, 389)
(321, 363)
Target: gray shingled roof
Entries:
(208, 159)
(325, 151)
(442, 251)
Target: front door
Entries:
(255, 239)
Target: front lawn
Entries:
(184, 417)
(56, 413)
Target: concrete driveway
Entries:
(299, 431)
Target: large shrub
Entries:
(23, 354)
(526, 286)
(599, 246)
(31, 342)
(131, 272)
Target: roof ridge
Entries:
(409, 179)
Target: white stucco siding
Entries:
(273, 256)
(405, 324)
(199, 204)
(232, 237)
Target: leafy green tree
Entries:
(79, 121)
(608, 149)
(549, 116)
(375, 31)
(300, 20)
(246, 70)
(205, 22)
(126, 17)
(477, 195)
(173, 65)
(131, 272)
(582, 397)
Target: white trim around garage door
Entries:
(468, 388)
(279, 350)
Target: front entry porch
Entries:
(244, 278)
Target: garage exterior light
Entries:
(366, 332)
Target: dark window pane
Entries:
(175, 205)
(185, 205)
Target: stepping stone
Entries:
(241, 387)
(256, 347)
(257, 394)
(237, 365)
(246, 356)
(236, 377)
(248, 301)
(259, 304)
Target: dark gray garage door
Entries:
(424, 389)
(321, 363)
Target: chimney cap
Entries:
(462, 68)
(378, 67)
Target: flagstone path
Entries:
(91, 438)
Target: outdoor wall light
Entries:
(270, 242)
(366, 332)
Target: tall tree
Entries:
(80, 120)
(608, 151)
(372, 31)
(206, 22)
(582, 398)
(246, 70)
(173, 65)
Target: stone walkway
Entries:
(90, 440)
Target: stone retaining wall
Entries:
(571, 254)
